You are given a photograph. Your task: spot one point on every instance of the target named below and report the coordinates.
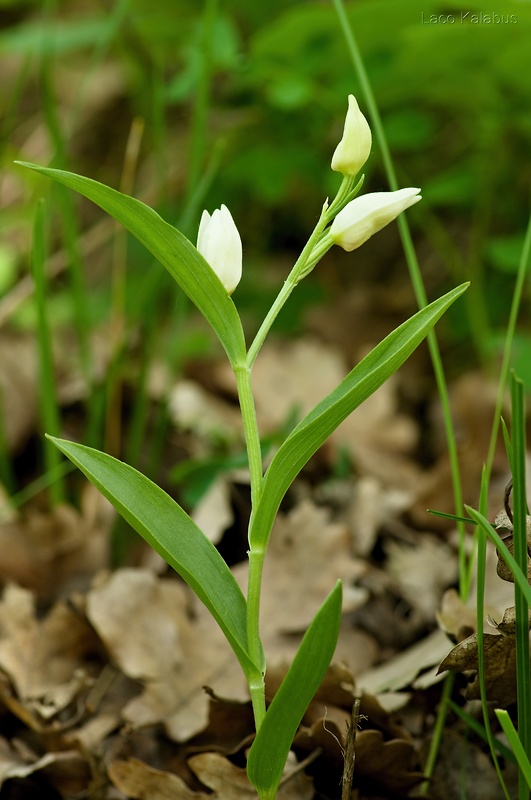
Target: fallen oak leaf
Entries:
(156, 632)
(500, 666)
(67, 770)
(384, 767)
(139, 781)
(230, 782)
(45, 659)
(388, 764)
(503, 523)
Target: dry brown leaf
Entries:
(13, 765)
(380, 439)
(227, 780)
(373, 504)
(139, 781)
(422, 570)
(138, 617)
(293, 376)
(192, 408)
(213, 514)
(307, 553)
(500, 666)
(230, 723)
(386, 767)
(231, 783)
(389, 764)
(402, 670)
(456, 618)
(507, 625)
(157, 632)
(47, 660)
(504, 527)
(67, 769)
(56, 551)
(104, 704)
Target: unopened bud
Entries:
(219, 243)
(354, 148)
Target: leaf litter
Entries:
(117, 683)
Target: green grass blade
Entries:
(521, 757)
(417, 281)
(359, 384)
(270, 749)
(171, 532)
(481, 549)
(172, 249)
(523, 677)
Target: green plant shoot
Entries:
(208, 273)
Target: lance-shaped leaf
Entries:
(171, 532)
(172, 249)
(270, 749)
(317, 426)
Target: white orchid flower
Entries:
(368, 214)
(220, 244)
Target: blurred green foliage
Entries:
(258, 91)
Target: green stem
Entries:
(314, 249)
(257, 688)
(316, 246)
(287, 288)
(301, 267)
(256, 557)
(250, 428)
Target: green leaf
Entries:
(171, 532)
(316, 427)
(172, 249)
(270, 749)
(514, 740)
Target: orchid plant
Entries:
(209, 274)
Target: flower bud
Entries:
(219, 243)
(354, 148)
(368, 214)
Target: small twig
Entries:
(350, 751)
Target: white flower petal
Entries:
(220, 244)
(369, 213)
